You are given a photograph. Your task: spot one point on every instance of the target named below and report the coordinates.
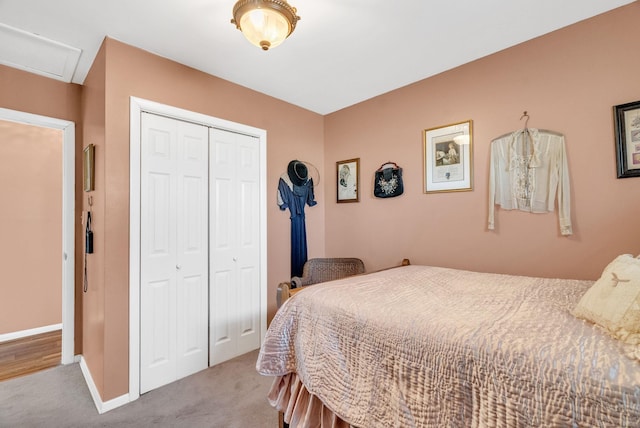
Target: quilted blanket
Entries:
(424, 346)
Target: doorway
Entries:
(137, 108)
(66, 253)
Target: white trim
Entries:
(134, 250)
(30, 332)
(68, 218)
(68, 243)
(93, 390)
(263, 236)
(137, 106)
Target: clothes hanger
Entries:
(526, 126)
(525, 114)
(526, 122)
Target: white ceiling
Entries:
(342, 51)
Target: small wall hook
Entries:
(526, 122)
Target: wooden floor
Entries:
(31, 354)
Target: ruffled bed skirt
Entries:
(301, 408)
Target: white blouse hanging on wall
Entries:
(528, 170)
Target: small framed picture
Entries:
(88, 168)
(348, 180)
(448, 158)
(627, 133)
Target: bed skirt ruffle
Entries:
(301, 409)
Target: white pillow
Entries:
(613, 302)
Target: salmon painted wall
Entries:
(292, 133)
(39, 95)
(30, 226)
(95, 296)
(568, 82)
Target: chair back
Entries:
(319, 270)
(329, 269)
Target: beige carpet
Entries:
(229, 395)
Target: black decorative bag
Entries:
(388, 181)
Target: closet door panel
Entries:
(222, 287)
(248, 304)
(193, 250)
(222, 200)
(220, 315)
(234, 262)
(158, 254)
(248, 310)
(192, 350)
(174, 250)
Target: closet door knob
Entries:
(178, 267)
(235, 259)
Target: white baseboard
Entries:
(100, 405)
(30, 332)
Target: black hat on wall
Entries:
(298, 173)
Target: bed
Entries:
(420, 346)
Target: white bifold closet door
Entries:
(174, 250)
(234, 198)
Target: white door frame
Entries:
(137, 106)
(68, 216)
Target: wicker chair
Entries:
(320, 270)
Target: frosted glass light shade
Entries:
(264, 28)
(265, 23)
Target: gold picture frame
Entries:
(448, 158)
(348, 180)
(88, 168)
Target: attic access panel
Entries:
(36, 54)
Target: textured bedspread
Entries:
(422, 346)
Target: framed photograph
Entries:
(88, 168)
(627, 131)
(448, 158)
(348, 179)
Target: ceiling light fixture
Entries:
(265, 23)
